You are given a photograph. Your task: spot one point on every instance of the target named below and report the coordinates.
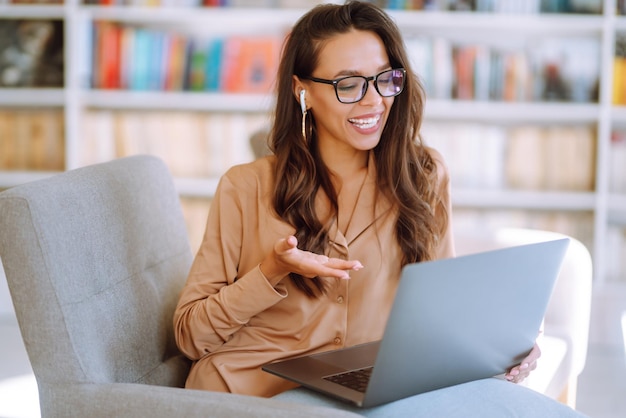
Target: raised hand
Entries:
(287, 258)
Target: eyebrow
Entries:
(346, 73)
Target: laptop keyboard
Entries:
(353, 379)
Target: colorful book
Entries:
(126, 58)
(141, 60)
(110, 55)
(213, 64)
(198, 65)
(155, 72)
(619, 80)
(464, 71)
(249, 64)
(175, 70)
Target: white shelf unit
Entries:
(210, 102)
(75, 97)
(27, 97)
(46, 97)
(33, 11)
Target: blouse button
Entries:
(339, 299)
(337, 340)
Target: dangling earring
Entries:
(304, 112)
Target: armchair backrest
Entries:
(95, 259)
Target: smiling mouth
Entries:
(366, 123)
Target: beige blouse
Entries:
(230, 320)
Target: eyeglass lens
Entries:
(388, 83)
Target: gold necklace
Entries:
(358, 196)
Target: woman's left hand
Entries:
(520, 372)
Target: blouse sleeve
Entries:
(217, 299)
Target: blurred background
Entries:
(526, 100)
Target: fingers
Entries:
(339, 269)
(534, 354)
(284, 245)
(518, 373)
(309, 264)
(338, 263)
(292, 242)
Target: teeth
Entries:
(365, 123)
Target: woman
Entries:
(303, 249)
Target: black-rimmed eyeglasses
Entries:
(351, 89)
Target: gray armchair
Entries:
(94, 259)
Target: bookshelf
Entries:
(601, 205)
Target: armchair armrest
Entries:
(135, 400)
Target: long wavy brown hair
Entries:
(406, 172)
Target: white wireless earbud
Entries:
(303, 107)
(302, 101)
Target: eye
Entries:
(350, 84)
(385, 79)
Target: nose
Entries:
(372, 96)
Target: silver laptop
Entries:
(452, 321)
